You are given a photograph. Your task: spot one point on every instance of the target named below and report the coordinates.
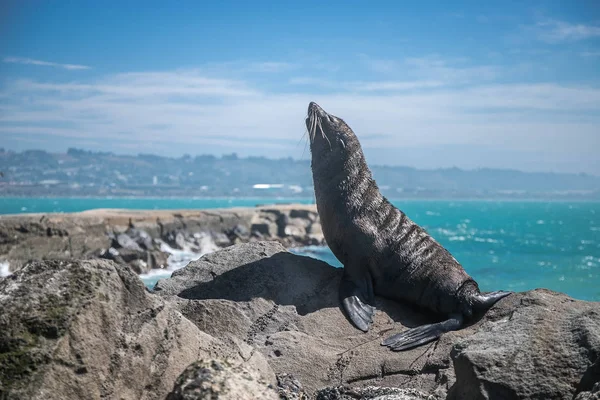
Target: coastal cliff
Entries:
(255, 321)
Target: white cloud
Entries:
(30, 61)
(146, 111)
(554, 31)
(433, 67)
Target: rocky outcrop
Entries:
(371, 392)
(145, 239)
(271, 320)
(89, 329)
(539, 344)
(214, 379)
(286, 306)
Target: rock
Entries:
(594, 394)
(241, 231)
(289, 388)
(141, 237)
(287, 308)
(139, 266)
(157, 259)
(370, 392)
(315, 230)
(130, 255)
(215, 379)
(264, 229)
(125, 242)
(221, 239)
(84, 235)
(180, 241)
(298, 231)
(538, 344)
(89, 329)
(305, 214)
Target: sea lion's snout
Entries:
(314, 108)
(321, 125)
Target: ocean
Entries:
(510, 245)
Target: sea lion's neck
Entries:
(344, 181)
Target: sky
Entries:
(468, 84)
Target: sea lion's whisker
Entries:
(325, 136)
(314, 126)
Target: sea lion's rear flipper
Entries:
(422, 334)
(483, 301)
(353, 296)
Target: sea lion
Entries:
(382, 250)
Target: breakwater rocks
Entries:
(145, 240)
(255, 321)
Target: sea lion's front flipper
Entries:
(422, 334)
(353, 296)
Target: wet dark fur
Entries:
(373, 238)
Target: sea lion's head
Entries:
(329, 135)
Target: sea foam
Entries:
(179, 258)
(4, 269)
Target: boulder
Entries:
(89, 329)
(124, 241)
(536, 345)
(158, 259)
(215, 379)
(141, 237)
(287, 308)
(370, 393)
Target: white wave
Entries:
(4, 269)
(180, 258)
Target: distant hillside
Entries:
(86, 173)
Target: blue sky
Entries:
(429, 84)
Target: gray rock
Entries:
(287, 308)
(371, 393)
(180, 240)
(84, 235)
(538, 344)
(289, 388)
(125, 242)
(89, 329)
(593, 394)
(241, 231)
(141, 237)
(221, 239)
(216, 379)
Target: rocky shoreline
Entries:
(144, 240)
(250, 320)
(255, 321)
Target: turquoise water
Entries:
(502, 244)
(514, 245)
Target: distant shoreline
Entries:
(303, 200)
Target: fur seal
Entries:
(382, 250)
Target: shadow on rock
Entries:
(274, 274)
(284, 278)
